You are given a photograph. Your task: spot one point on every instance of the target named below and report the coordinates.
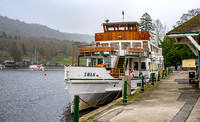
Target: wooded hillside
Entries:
(25, 47)
(17, 27)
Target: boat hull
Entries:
(93, 90)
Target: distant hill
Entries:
(17, 27)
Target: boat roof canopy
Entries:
(121, 26)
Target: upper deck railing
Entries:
(98, 49)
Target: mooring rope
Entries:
(89, 103)
(65, 113)
(118, 93)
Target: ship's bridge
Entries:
(121, 31)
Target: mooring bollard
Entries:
(76, 108)
(168, 71)
(162, 74)
(142, 84)
(124, 100)
(152, 79)
(158, 75)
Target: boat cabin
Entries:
(121, 31)
(121, 47)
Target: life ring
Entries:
(132, 73)
(100, 37)
(142, 36)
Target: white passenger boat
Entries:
(37, 67)
(120, 50)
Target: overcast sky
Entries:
(86, 16)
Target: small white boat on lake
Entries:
(37, 67)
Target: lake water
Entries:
(27, 95)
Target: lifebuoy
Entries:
(132, 73)
(142, 36)
(100, 37)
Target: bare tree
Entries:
(186, 16)
(15, 52)
(159, 31)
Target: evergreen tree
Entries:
(4, 35)
(174, 54)
(146, 24)
(24, 49)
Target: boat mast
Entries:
(123, 15)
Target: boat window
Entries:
(114, 43)
(104, 44)
(97, 44)
(100, 61)
(109, 28)
(108, 62)
(130, 63)
(93, 61)
(130, 27)
(119, 27)
(143, 66)
(125, 45)
(136, 65)
(106, 28)
(89, 64)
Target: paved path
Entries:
(170, 100)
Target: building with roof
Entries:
(188, 33)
